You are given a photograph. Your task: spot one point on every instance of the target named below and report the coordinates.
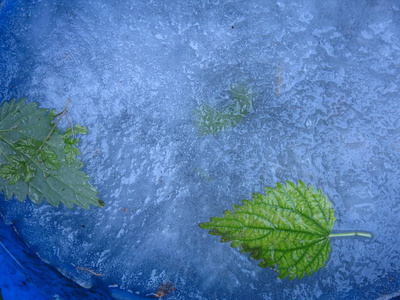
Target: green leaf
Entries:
(80, 129)
(49, 158)
(10, 173)
(209, 120)
(34, 160)
(288, 228)
(71, 142)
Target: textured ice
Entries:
(23, 273)
(325, 76)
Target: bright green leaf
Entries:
(288, 228)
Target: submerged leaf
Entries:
(71, 142)
(210, 120)
(289, 227)
(34, 162)
(10, 173)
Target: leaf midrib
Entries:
(292, 209)
(293, 231)
(282, 208)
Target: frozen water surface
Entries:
(325, 79)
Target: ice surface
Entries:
(325, 76)
(24, 276)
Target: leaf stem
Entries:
(355, 233)
(55, 125)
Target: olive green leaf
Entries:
(210, 120)
(288, 228)
(38, 160)
(71, 142)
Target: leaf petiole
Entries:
(55, 125)
(355, 233)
